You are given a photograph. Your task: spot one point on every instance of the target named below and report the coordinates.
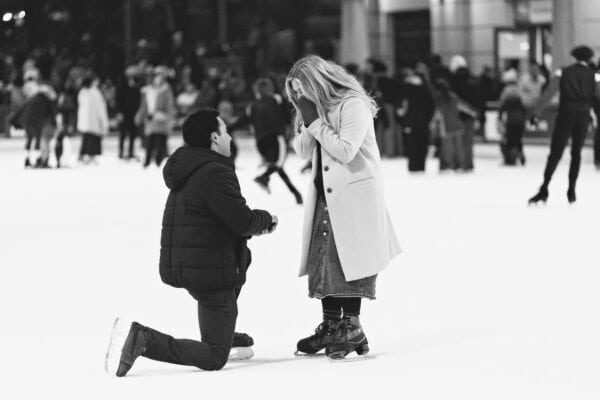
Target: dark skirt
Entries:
(91, 145)
(325, 274)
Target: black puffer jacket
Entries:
(206, 223)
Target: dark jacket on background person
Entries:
(267, 115)
(37, 112)
(128, 100)
(206, 223)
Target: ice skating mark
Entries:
(118, 336)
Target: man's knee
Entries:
(217, 361)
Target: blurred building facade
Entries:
(486, 32)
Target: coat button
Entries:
(329, 190)
(324, 233)
(326, 168)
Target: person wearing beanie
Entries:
(156, 114)
(579, 85)
(205, 229)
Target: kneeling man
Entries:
(206, 224)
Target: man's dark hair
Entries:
(198, 127)
(582, 53)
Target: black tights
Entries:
(333, 306)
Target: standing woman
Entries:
(348, 237)
(92, 119)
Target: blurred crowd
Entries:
(430, 104)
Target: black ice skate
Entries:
(241, 349)
(127, 343)
(349, 337)
(263, 182)
(542, 196)
(571, 196)
(323, 337)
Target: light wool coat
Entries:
(353, 182)
(92, 113)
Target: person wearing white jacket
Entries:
(92, 119)
(348, 237)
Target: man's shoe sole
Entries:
(240, 353)
(120, 330)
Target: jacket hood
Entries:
(185, 161)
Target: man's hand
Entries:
(534, 120)
(308, 110)
(273, 224)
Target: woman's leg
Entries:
(350, 335)
(332, 308)
(351, 305)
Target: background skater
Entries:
(578, 85)
(267, 116)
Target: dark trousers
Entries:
(128, 131)
(91, 145)
(156, 148)
(282, 174)
(468, 139)
(597, 146)
(33, 134)
(417, 143)
(452, 153)
(512, 149)
(570, 123)
(217, 314)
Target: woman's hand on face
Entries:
(307, 109)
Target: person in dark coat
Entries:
(468, 88)
(416, 112)
(579, 85)
(512, 117)
(37, 116)
(267, 115)
(129, 97)
(206, 224)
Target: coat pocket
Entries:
(362, 183)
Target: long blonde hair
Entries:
(326, 84)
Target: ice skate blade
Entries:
(120, 330)
(540, 203)
(340, 355)
(353, 357)
(240, 353)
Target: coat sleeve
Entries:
(304, 143)
(225, 200)
(355, 122)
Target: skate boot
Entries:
(571, 195)
(28, 163)
(127, 343)
(349, 337)
(298, 198)
(542, 196)
(241, 349)
(263, 182)
(323, 337)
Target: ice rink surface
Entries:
(490, 299)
